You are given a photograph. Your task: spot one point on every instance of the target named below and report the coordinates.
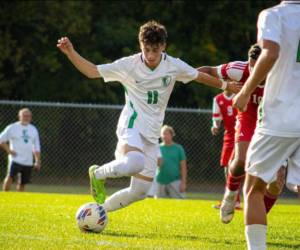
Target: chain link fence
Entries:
(75, 136)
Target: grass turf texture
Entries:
(47, 221)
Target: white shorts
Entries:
(266, 154)
(133, 138)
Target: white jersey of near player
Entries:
(147, 91)
(279, 114)
(24, 140)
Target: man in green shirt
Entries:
(171, 177)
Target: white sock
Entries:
(256, 236)
(229, 193)
(137, 190)
(132, 163)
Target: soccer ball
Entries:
(91, 217)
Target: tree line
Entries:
(201, 33)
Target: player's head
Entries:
(253, 55)
(167, 133)
(25, 116)
(153, 40)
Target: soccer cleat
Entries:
(227, 208)
(97, 186)
(217, 206)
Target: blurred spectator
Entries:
(21, 142)
(172, 173)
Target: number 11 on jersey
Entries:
(152, 97)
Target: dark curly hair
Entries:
(254, 51)
(153, 33)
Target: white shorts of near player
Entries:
(266, 154)
(133, 138)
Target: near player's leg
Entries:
(274, 189)
(255, 212)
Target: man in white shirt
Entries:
(148, 78)
(21, 142)
(277, 135)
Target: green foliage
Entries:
(32, 68)
(47, 221)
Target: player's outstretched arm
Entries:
(264, 64)
(209, 70)
(84, 66)
(217, 83)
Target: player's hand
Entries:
(182, 187)
(240, 101)
(12, 152)
(233, 87)
(65, 45)
(214, 130)
(37, 166)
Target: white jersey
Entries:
(147, 91)
(279, 113)
(24, 140)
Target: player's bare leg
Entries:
(274, 189)
(255, 212)
(7, 183)
(235, 176)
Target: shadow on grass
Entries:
(149, 236)
(284, 245)
(176, 237)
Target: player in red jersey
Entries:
(223, 112)
(246, 122)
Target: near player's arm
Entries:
(266, 60)
(84, 66)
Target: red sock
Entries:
(269, 200)
(233, 183)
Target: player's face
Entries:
(152, 54)
(251, 64)
(25, 117)
(166, 136)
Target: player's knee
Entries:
(237, 168)
(139, 192)
(135, 161)
(254, 187)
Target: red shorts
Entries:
(226, 155)
(244, 130)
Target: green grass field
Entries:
(46, 221)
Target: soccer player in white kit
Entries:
(277, 135)
(148, 78)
